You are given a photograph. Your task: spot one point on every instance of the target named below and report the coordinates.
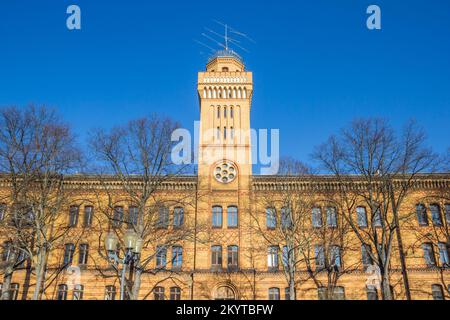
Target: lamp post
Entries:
(133, 247)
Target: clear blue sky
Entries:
(316, 65)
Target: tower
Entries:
(225, 94)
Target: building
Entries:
(219, 235)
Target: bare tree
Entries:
(36, 151)
(375, 166)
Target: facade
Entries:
(220, 236)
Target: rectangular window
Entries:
(224, 112)
(231, 112)
(316, 217)
(231, 133)
(437, 292)
(422, 217)
(319, 255)
(175, 293)
(218, 133)
(13, 291)
(372, 293)
(339, 293)
(233, 256)
(361, 217)
(178, 217)
(133, 215)
(88, 216)
(272, 258)
(271, 218)
(110, 293)
(428, 254)
(376, 218)
(163, 217)
(365, 255)
(78, 292)
(117, 217)
(336, 259)
(224, 133)
(274, 294)
(158, 293)
(177, 257)
(62, 292)
(73, 216)
(286, 256)
(2, 211)
(69, 250)
(322, 293)
(216, 257)
(286, 218)
(331, 217)
(436, 214)
(217, 217)
(444, 254)
(232, 214)
(161, 257)
(83, 254)
(447, 213)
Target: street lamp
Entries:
(133, 247)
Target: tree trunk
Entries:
(40, 270)
(136, 284)
(5, 293)
(386, 291)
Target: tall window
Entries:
(69, 250)
(422, 216)
(83, 253)
(365, 255)
(428, 254)
(177, 257)
(272, 258)
(133, 215)
(231, 112)
(287, 294)
(178, 217)
(217, 217)
(232, 214)
(231, 133)
(73, 216)
(110, 293)
(88, 216)
(274, 294)
(163, 217)
(319, 255)
(158, 293)
(218, 133)
(218, 112)
(361, 217)
(322, 293)
(14, 291)
(232, 257)
(286, 255)
(224, 133)
(447, 212)
(271, 218)
(339, 293)
(336, 259)
(444, 254)
(175, 293)
(372, 293)
(117, 217)
(331, 217)
(78, 292)
(437, 292)
(376, 218)
(161, 256)
(436, 214)
(216, 257)
(224, 112)
(7, 251)
(286, 218)
(2, 211)
(316, 217)
(62, 292)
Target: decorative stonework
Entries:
(225, 172)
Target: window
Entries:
(274, 294)
(133, 216)
(175, 293)
(286, 255)
(110, 293)
(444, 254)
(428, 254)
(316, 217)
(224, 69)
(178, 217)
(447, 212)
(177, 257)
(163, 217)
(336, 259)
(331, 217)
(231, 133)
(271, 218)
(286, 218)
(339, 293)
(78, 292)
(322, 293)
(272, 258)
(14, 291)
(117, 217)
(224, 112)
(216, 257)
(232, 213)
(422, 216)
(376, 218)
(436, 214)
(161, 256)
(224, 133)
(2, 211)
(62, 292)
(365, 255)
(287, 294)
(218, 133)
(231, 112)
(233, 256)
(217, 217)
(158, 293)
(361, 217)
(218, 112)
(83, 253)
(437, 292)
(7, 251)
(88, 216)
(69, 250)
(73, 216)
(319, 255)
(372, 293)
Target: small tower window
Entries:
(218, 112)
(225, 69)
(224, 112)
(232, 133)
(224, 133)
(218, 133)
(231, 112)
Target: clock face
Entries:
(225, 172)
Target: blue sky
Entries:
(316, 66)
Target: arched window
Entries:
(175, 293)
(217, 217)
(244, 93)
(225, 112)
(62, 292)
(232, 215)
(234, 93)
(231, 113)
(225, 293)
(204, 93)
(224, 69)
(218, 111)
(158, 293)
(209, 93)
